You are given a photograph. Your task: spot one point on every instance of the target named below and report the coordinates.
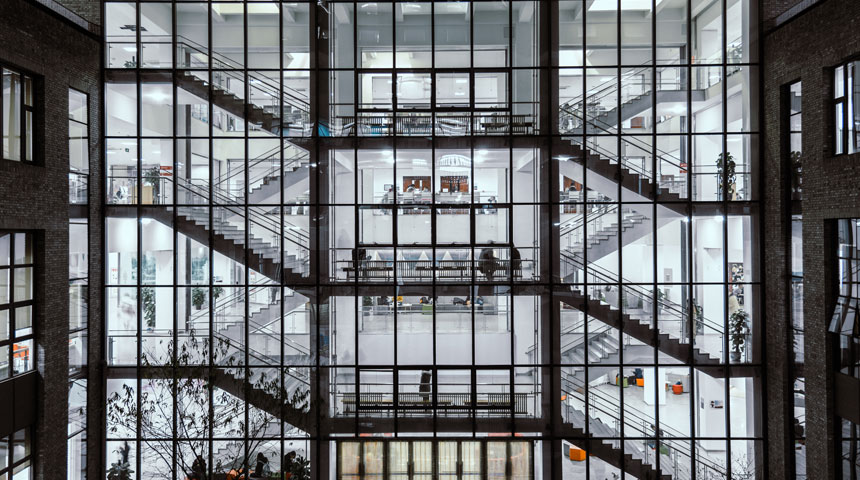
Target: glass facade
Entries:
(444, 222)
(17, 350)
(16, 456)
(79, 246)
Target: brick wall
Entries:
(770, 8)
(36, 197)
(90, 10)
(804, 49)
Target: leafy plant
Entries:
(147, 297)
(217, 292)
(198, 297)
(152, 177)
(121, 468)
(797, 171)
(726, 162)
(301, 469)
(738, 330)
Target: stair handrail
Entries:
(576, 222)
(264, 157)
(202, 187)
(580, 339)
(222, 59)
(605, 275)
(599, 401)
(260, 356)
(608, 87)
(230, 63)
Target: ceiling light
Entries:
(454, 163)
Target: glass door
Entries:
(448, 460)
(470, 460)
(374, 460)
(422, 460)
(398, 460)
(497, 460)
(349, 460)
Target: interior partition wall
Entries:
(399, 239)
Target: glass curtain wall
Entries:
(79, 157)
(656, 151)
(424, 220)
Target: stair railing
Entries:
(273, 158)
(294, 234)
(602, 277)
(641, 425)
(222, 62)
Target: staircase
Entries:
(296, 109)
(595, 416)
(638, 182)
(600, 229)
(637, 326)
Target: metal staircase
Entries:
(266, 115)
(639, 325)
(645, 450)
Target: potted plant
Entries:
(198, 297)
(147, 297)
(726, 162)
(152, 177)
(738, 331)
(300, 469)
(217, 291)
(796, 173)
(699, 315)
(121, 469)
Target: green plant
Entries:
(147, 298)
(726, 163)
(738, 330)
(217, 292)
(198, 297)
(121, 468)
(301, 469)
(797, 171)
(152, 177)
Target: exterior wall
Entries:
(804, 49)
(35, 197)
(90, 10)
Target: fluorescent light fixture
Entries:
(130, 48)
(461, 80)
(612, 5)
(483, 151)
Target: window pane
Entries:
(11, 115)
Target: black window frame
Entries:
(35, 153)
(11, 306)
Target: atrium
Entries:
(429, 240)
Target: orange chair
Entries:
(640, 382)
(577, 454)
(677, 389)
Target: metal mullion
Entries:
(211, 88)
(281, 373)
(175, 235)
(585, 206)
(247, 247)
(139, 231)
(725, 227)
(2, 126)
